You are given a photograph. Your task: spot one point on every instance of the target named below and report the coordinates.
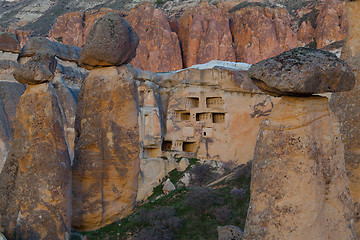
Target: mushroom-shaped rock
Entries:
(112, 42)
(39, 69)
(302, 72)
(42, 44)
(9, 43)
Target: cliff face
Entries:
(182, 33)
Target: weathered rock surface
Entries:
(93, 15)
(36, 194)
(41, 44)
(69, 29)
(152, 171)
(73, 28)
(10, 93)
(39, 69)
(5, 135)
(299, 187)
(159, 48)
(68, 105)
(345, 106)
(302, 71)
(204, 34)
(260, 31)
(332, 24)
(9, 43)
(229, 232)
(352, 44)
(7, 67)
(112, 42)
(106, 163)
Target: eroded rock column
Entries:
(107, 147)
(35, 184)
(299, 187)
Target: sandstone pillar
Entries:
(299, 186)
(107, 145)
(107, 148)
(35, 184)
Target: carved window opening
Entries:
(185, 116)
(151, 152)
(189, 147)
(166, 146)
(205, 117)
(214, 102)
(218, 117)
(192, 102)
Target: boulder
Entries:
(260, 31)
(93, 15)
(9, 43)
(168, 186)
(299, 186)
(35, 184)
(42, 44)
(301, 72)
(39, 69)
(229, 232)
(183, 164)
(159, 48)
(107, 148)
(204, 34)
(112, 42)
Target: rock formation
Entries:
(69, 29)
(332, 24)
(159, 48)
(112, 42)
(9, 43)
(299, 186)
(39, 69)
(346, 107)
(35, 184)
(106, 163)
(9, 97)
(260, 31)
(301, 72)
(41, 44)
(204, 34)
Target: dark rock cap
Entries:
(111, 42)
(9, 43)
(302, 72)
(42, 44)
(39, 69)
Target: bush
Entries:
(222, 214)
(202, 199)
(238, 193)
(201, 174)
(157, 224)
